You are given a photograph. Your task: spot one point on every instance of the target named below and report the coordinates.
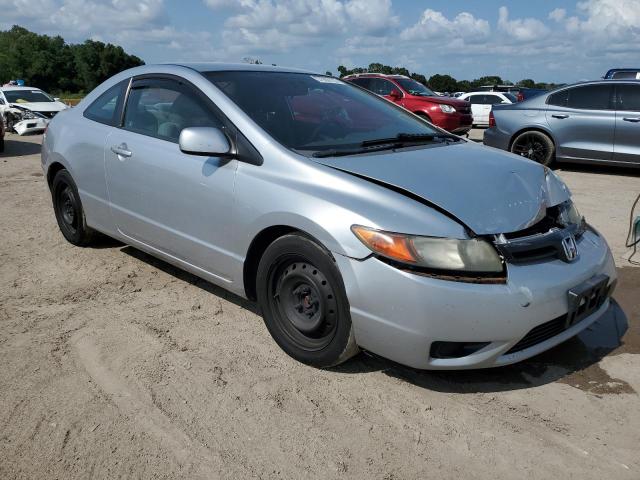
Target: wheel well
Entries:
(54, 168)
(531, 129)
(257, 248)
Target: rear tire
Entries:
(1, 144)
(69, 212)
(304, 303)
(535, 146)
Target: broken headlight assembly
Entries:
(469, 256)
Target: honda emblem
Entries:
(570, 248)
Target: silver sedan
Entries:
(352, 222)
(590, 122)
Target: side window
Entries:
(162, 108)
(381, 86)
(629, 97)
(590, 97)
(108, 106)
(477, 99)
(625, 75)
(559, 99)
(492, 99)
(362, 82)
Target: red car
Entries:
(448, 113)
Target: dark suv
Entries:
(447, 113)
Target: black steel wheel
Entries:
(535, 146)
(304, 303)
(68, 209)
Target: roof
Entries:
(235, 67)
(375, 74)
(16, 87)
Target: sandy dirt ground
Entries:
(117, 365)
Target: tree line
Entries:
(444, 83)
(55, 66)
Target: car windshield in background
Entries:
(26, 96)
(415, 88)
(312, 113)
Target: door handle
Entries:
(121, 150)
(560, 116)
(632, 119)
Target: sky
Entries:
(551, 41)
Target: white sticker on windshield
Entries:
(327, 80)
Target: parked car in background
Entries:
(1, 135)
(353, 223)
(482, 102)
(623, 74)
(446, 112)
(521, 93)
(594, 122)
(27, 109)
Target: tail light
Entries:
(492, 120)
(520, 96)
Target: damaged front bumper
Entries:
(35, 125)
(408, 317)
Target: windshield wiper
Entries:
(399, 141)
(334, 152)
(404, 138)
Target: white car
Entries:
(481, 103)
(27, 109)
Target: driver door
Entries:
(172, 202)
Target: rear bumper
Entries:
(398, 315)
(493, 137)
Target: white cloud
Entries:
(433, 24)
(524, 29)
(280, 25)
(557, 14)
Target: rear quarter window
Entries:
(107, 107)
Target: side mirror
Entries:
(205, 141)
(57, 99)
(395, 94)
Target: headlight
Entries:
(447, 108)
(569, 214)
(473, 255)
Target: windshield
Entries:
(415, 88)
(315, 112)
(26, 96)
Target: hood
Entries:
(487, 190)
(41, 106)
(454, 102)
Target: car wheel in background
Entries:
(68, 209)
(304, 303)
(535, 146)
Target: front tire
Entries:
(535, 146)
(304, 303)
(69, 212)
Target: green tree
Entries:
(443, 83)
(55, 66)
(527, 83)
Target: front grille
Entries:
(540, 333)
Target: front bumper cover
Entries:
(398, 315)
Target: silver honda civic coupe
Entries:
(352, 222)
